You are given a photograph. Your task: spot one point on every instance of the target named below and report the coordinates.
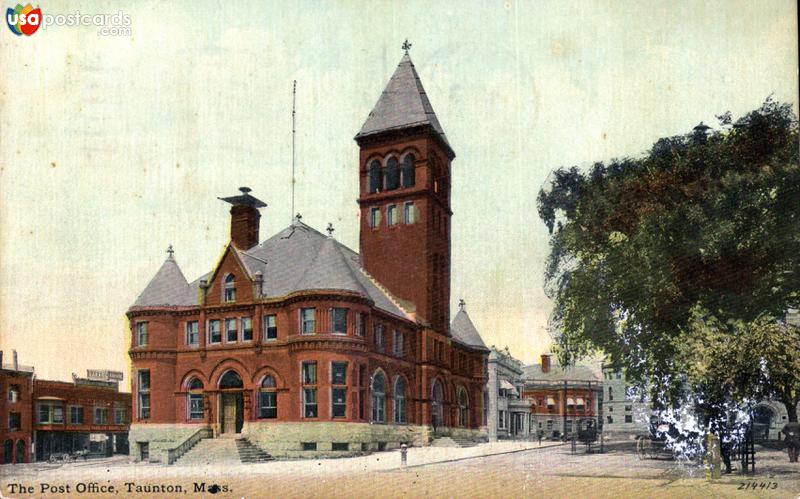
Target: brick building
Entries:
(16, 408)
(303, 346)
(42, 417)
(84, 415)
(564, 399)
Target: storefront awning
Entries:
(570, 401)
(506, 385)
(551, 401)
(49, 397)
(580, 401)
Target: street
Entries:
(519, 470)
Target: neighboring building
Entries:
(85, 415)
(623, 415)
(304, 346)
(564, 400)
(41, 417)
(16, 427)
(508, 412)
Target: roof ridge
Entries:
(395, 301)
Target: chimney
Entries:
(16, 364)
(245, 218)
(545, 362)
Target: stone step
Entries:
(249, 453)
(211, 451)
(453, 442)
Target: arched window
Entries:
(268, 399)
(437, 399)
(8, 451)
(392, 175)
(230, 379)
(20, 456)
(399, 400)
(463, 407)
(378, 398)
(408, 171)
(229, 288)
(374, 176)
(194, 400)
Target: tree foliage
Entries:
(703, 229)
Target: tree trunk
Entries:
(791, 407)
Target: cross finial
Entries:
(298, 217)
(406, 46)
(170, 252)
(330, 229)
(461, 304)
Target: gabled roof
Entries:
(403, 104)
(299, 258)
(464, 331)
(167, 288)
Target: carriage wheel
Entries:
(640, 448)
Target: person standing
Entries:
(792, 432)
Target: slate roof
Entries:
(298, 258)
(464, 331)
(579, 372)
(403, 104)
(167, 288)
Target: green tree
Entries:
(703, 229)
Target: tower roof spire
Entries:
(403, 104)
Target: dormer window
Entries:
(229, 289)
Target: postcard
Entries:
(505, 248)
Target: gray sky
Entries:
(111, 148)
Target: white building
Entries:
(508, 413)
(623, 415)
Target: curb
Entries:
(472, 457)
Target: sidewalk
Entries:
(379, 461)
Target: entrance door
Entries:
(232, 412)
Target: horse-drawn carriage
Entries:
(586, 434)
(66, 457)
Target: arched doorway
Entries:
(231, 414)
(437, 401)
(19, 457)
(763, 417)
(8, 451)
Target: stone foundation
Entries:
(159, 439)
(293, 440)
(319, 439)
